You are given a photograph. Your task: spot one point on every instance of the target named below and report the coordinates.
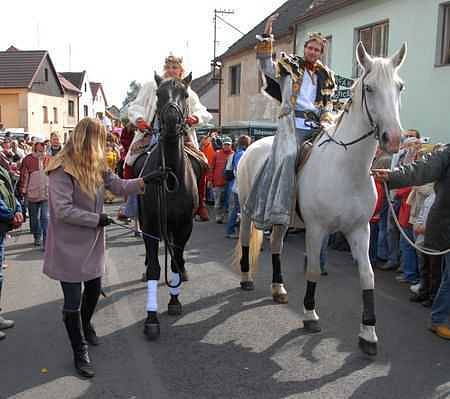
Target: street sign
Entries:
(343, 88)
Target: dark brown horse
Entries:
(167, 207)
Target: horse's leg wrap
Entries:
(152, 296)
(153, 272)
(309, 302)
(276, 265)
(368, 317)
(245, 259)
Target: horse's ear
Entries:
(399, 57)
(188, 79)
(364, 59)
(158, 79)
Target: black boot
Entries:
(90, 300)
(82, 362)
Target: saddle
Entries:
(304, 150)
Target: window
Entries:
(55, 115)
(45, 114)
(375, 40)
(46, 74)
(326, 56)
(85, 87)
(71, 108)
(85, 110)
(235, 80)
(443, 53)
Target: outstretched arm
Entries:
(264, 49)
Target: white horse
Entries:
(335, 189)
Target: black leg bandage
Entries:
(245, 261)
(368, 317)
(309, 302)
(276, 265)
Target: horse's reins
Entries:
(163, 189)
(424, 250)
(374, 127)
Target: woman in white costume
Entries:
(142, 113)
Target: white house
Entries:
(99, 103)
(81, 81)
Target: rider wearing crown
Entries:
(142, 113)
(304, 87)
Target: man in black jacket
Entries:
(435, 168)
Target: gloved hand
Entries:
(142, 125)
(191, 120)
(104, 220)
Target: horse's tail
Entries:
(255, 243)
(256, 240)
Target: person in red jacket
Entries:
(217, 177)
(408, 255)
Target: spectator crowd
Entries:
(22, 172)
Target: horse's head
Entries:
(380, 95)
(172, 105)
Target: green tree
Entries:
(132, 92)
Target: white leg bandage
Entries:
(152, 296)
(174, 280)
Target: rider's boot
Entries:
(202, 210)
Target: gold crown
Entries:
(317, 36)
(171, 60)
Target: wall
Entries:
(35, 114)
(251, 104)
(211, 101)
(425, 103)
(50, 87)
(86, 98)
(69, 122)
(9, 110)
(99, 103)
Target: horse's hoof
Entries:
(174, 308)
(279, 293)
(280, 298)
(144, 277)
(247, 285)
(151, 328)
(367, 347)
(311, 326)
(184, 276)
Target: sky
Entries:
(120, 41)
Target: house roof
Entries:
(114, 111)
(95, 86)
(289, 12)
(76, 78)
(203, 83)
(18, 68)
(322, 7)
(67, 85)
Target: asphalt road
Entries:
(228, 343)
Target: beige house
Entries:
(31, 94)
(71, 106)
(242, 97)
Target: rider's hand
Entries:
(269, 23)
(104, 220)
(141, 124)
(381, 174)
(192, 120)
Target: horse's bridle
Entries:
(181, 128)
(375, 130)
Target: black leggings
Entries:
(72, 293)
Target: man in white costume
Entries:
(142, 113)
